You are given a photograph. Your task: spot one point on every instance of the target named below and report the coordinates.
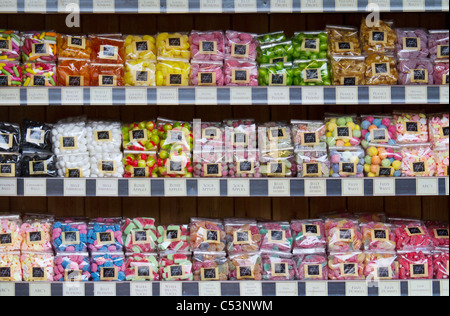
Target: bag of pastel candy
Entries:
(277, 266)
(276, 236)
(207, 235)
(309, 235)
(141, 267)
(210, 266)
(242, 235)
(311, 265)
(70, 234)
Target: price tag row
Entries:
(232, 96)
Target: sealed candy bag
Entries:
(140, 136)
(242, 235)
(439, 233)
(105, 235)
(311, 267)
(343, 40)
(313, 162)
(245, 267)
(415, 265)
(309, 235)
(412, 235)
(140, 47)
(440, 263)
(343, 234)
(10, 74)
(10, 43)
(240, 73)
(418, 160)
(37, 266)
(140, 235)
(278, 74)
(442, 161)
(210, 266)
(175, 136)
(364, 218)
(72, 267)
(39, 75)
(107, 75)
(310, 45)
(415, 71)
(272, 37)
(176, 266)
(39, 46)
(107, 266)
(380, 38)
(276, 236)
(411, 43)
(10, 165)
(381, 265)
(348, 70)
(240, 45)
(411, 127)
(438, 41)
(210, 162)
(9, 137)
(70, 46)
(173, 45)
(73, 72)
(440, 72)
(206, 73)
(10, 267)
(207, 235)
(279, 164)
(142, 267)
(69, 136)
(438, 125)
(36, 232)
(178, 165)
(35, 136)
(381, 70)
(240, 134)
(278, 266)
(174, 238)
(207, 46)
(104, 136)
(275, 53)
(378, 236)
(275, 136)
(38, 165)
(346, 266)
(208, 136)
(140, 72)
(347, 162)
(106, 165)
(382, 161)
(308, 134)
(379, 129)
(107, 48)
(73, 165)
(342, 130)
(242, 163)
(172, 72)
(312, 72)
(10, 237)
(70, 234)
(140, 164)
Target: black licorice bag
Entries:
(9, 165)
(36, 136)
(38, 165)
(9, 137)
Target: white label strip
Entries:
(40, 289)
(206, 95)
(74, 187)
(278, 96)
(177, 6)
(101, 96)
(75, 289)
(283, 6)
(103, 6)
(35, 187)
(32, 6)
(37, 96)
(245, 6)
(211, 6)
(209, 289)
(208, 187)
(107, 187)
(72, 96)
(8, 187)
(237, 188)
(167, 96)
(149, 6)
(175, 187)
(10, 96)
(104, 289)
(8, 6)
(139, 187)
(141, 289)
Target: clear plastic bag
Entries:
(69, 136)
(279, 164)
(342, 130)
(343, 234)
(72, 267)
(10, 74)
(140, 164)
(206, 73)
(175, 238)
(417, 71)
(411, 43)
(141, 136)
(245, 267)
(278, 266)
(176, 165)
(242, 235)
(440, 263)
(381, 70)
(207, 46)
(39, 164)
(412, 127)
(142, 267)
(107, 266)
(175, 136)
(310, 45)
(10, 237)
(78, 46)
(378, 39)
(308, 134)
(10, 165)
(176, 266)
(104, 136)
(105, 235)
(240, 134)
(418, 160)
(243, 163)
(347, 162)
(346, 266)
(36, 232)
(438, 125)
(348, 70)
(207, 235)
(172, 72)
(382, 161)
(36, 136)
(381, 265)
(107, 48)
(343, 40)
(140, 72)
(210, 266)
(379, 129)
(70, 234)
(275, 53)
(39, 75)
(275, 136)
(39, 46)
(173, 45)
(73, 166)
(140, 47)
(240, 45)
(10, 43)
(313, 162)
(240, 73)
(109, 75)
(412, 235)
(311, 267)
(10, 267)
(74, 72)
(9, 137)
(208, 136)
(278, 74)
(440, 72)
(107, 165)
(442, 161)
(378, 236)
(272, 37)
(210, 162)
(276, 236)
(415, 265)
(140, 235)
(314, 72)
(439, 232)
(438, 41)
(37, 266)
(309, 235)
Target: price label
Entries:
(37, 96)
(241, 96)
(8, 187)
(167, 96)
(315, 187)
(107, 187)
(206, 96)
(414, 6)
(278, 95)
(101, 96)
(67, 6)
(312, 5)
(346, 95)
(211, 6)
(139, 187)
(74, 187)
(391, 288)
(286, 289)
(380, 95)
(416, 94)
(35, 187)
(353, 289)
(103, 6)
(149, 6)
(136, 96)
(40, 289)
(250, 288)
(444, 287)
(279, 187)
(8, 6)
(427, 186)
(175, 187)
(209, 187)
(383, 5)
(104, 289)
(72, 96)
(74, 289)
(383, 186)
(245, 6)
(352, 187)
(177, 6)
(10, 96)
(443, 94)
(210, 289)
(141, 289)
(39, 6)
(239, 187)
(171, 289)
(9, 289)
(420, 287)
(312, 95)
(316, 288)
(346, 5)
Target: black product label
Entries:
(175, 79)
(280, 269)
(345, 234)
(348, 167)
(381, 68)
(383, 172)
(379, 135)
(74, 81)
(276, 168)
(419, 75)
(208, 47)
(5, 273)
(140, 172)
(278, 60)
(143, 271)
(40, 48)
(108, 80)
(310, 138)
(312, 74)
(312, 169)
(412, 127)
(109, 273)
(314, 270)
(176, 271)
(39, 81)
(71, 237)
(141, 46)
(240, 50)
(240, 138)
(209, 274)
(240, 76)
(311, 229)
(213, 169)
(212, 235)
(443, 51)
(441, 233)
(35, 237)
(276, 133)
(383, 273)
(140, 236)
(4, 81)
(108, 166)
(445, 131)
(103, 135)
(141, 76)
(419, 167)
(5, 239)
(138, 134)
(105, 237)
(172, 235)
(245, 166)
(350, 269)
(174, 41)
(245, 272)
(35, 134)
(411, 43)
(207, 78)
(380, 234)
(378, 37)
(6, 168)
(415, 231)
(276, 235)
(310, 44)
(344, 46)
(76, 41)
(4, 44)
(176, 166)
(74, 173)
(343, 132)
(38, 167)
(349, 81)
(38, 273)
(277, 79)
(418, 269)
(243, 237)
(109, 51)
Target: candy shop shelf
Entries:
(246, 288)
(313, 95)
(275, 187)
(219, 6)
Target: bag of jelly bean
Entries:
(343, 40)
(39, 46)
(176, 266)
(378, 236)
(107, 266)
(381, 265)
(379, 38)
(415, 265)
(439, 233)
(140, 72)
(411, 234)
(104, 234)
(348, 70)
(72, 267)
(69, 136)
(210, 266)
(107, 75)
(275, 53)
(106, 165)
(411, 43)
(70, 234)
(440, 72)
(442, 161)
(275, 136)
(36, 232)
(39, 75)
(315, 72)
(206, 73)
(308, 134)
(240, 45)
(440, 263)
(10, 237)
(107, 48)
(173, 45)
(73, 165)
(242, 235)
(10, 43)
(276, 236)
(313, 162)
(73, 72)
(207, 46)
(172, 72)
(240, 72)
(142, 267)
(245, 266)
(278, 266)
(311, 266)
(70, 46)
(347, 162)
(9, 137)
(10, 165)
(40, 164)
(175, 137)
(10, 74)
(438, 41)
(207, 235)
(174, 238)
(140, 235)
(10, 266)
(279, 74)
(382, 161)
(417, 71)
(379, 129)
(268, 38)
(343, 234)
(278, 164)
(438, 125)
(418, 160)
(140, 164)
(309, 235)
(140, 47)
(141, 136)
(36, 136)
(342, 130)
(346, 265)
(240, 134)
(310, 45)
(37, 266)
(381, 69)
